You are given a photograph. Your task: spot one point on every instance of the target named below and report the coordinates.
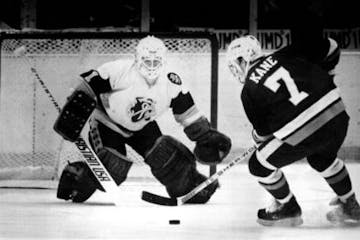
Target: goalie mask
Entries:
(240, 54)
(150, 58)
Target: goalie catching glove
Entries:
(77, 183)
(211, 145)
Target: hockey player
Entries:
(129, 97)
(296, 112)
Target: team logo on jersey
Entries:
(142, 108)
(174, 78)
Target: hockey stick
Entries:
(160, 200)
(90, 157)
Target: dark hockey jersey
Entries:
(289, 97)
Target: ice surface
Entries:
(231, 213)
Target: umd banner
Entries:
(272, 39)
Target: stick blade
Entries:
(156, 199)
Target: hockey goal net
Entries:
(29, 148)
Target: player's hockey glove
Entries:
(211, 145)
(257, 139)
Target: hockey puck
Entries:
(174, 221)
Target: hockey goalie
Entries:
(121, 101)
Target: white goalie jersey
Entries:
(132, 102)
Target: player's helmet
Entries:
(241, 53)
(150, 58)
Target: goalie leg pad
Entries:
(173, 164)
(76, 112)
(78, 183)
(109, 147)
(204, 195)
(169, 159)
(115, 163)
(187, 182)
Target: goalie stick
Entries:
(91, 159)
(160, 200)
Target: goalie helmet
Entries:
(241, 53)
(150, 58)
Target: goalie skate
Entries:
(278, 214)
(346, 212)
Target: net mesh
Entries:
(99, 46)
(29, 147)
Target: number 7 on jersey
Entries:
(272, 82)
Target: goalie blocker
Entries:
(77, 110)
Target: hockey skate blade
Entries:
(156, 199)
(286, 222)
(341, 220)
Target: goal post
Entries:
(29, 148)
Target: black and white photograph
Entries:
(179, 119)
